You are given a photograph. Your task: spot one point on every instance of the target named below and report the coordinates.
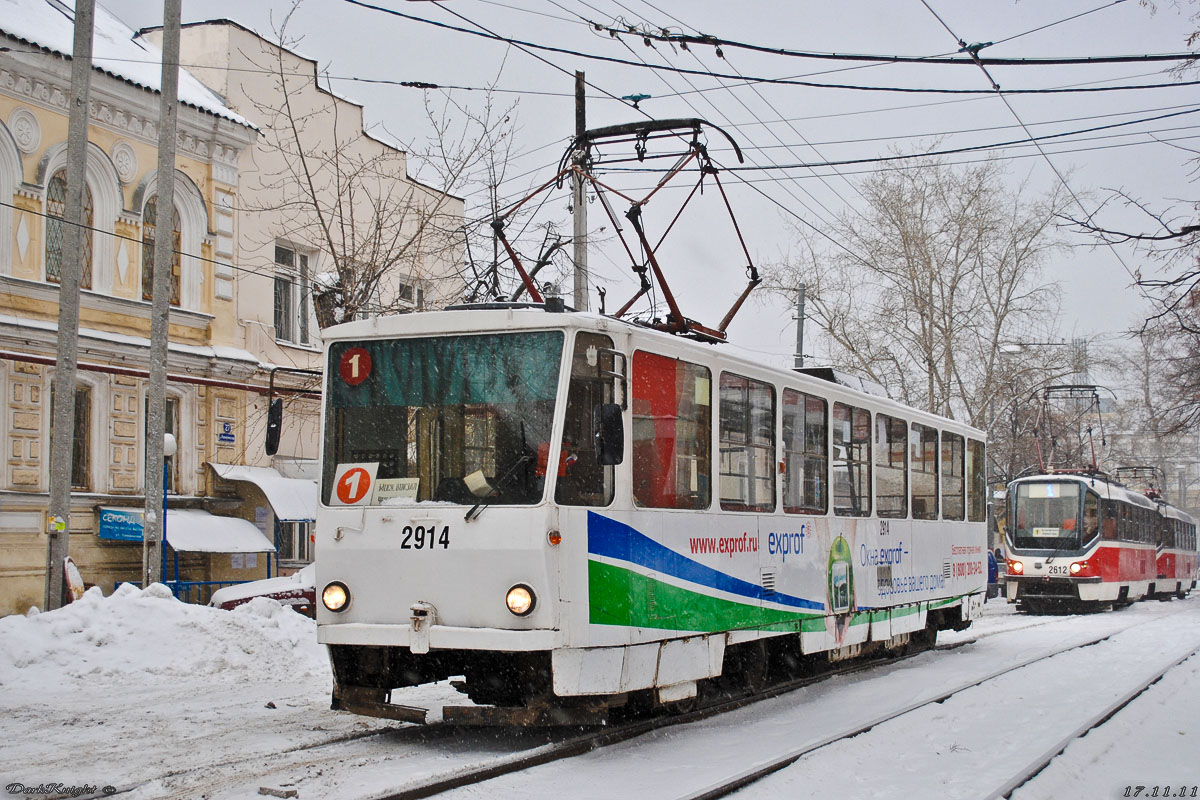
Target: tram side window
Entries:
(976, 481)
(805, 453)
(1091, 517)
(581, 479)
(672, 432)
(952, 476)
(891, 466)
(851, 461)
(747, 444)
(1108, 526)
(924, 457)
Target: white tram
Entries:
(574, 512)
(1084, 540)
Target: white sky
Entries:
(706, 270)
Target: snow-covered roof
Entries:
(195, 531)
(50, 24)
(203, 351)
(292, 499)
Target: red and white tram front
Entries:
(1079, 539)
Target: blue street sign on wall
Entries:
(121, 524)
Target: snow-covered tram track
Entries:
(709, 750)
(1003, 789)
(449, 760)
(182, 783)
(986, 784)
(1039, 763)
(469, 779)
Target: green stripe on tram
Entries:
(620, 596)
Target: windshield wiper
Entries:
(478, 508)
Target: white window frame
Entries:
(297, 277)
(299, 534)
(416, 291)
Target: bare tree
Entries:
(1146, 428)
(350, 194)
(939, 271)
(1168, 242)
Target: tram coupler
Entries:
(424, 617)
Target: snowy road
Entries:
(159, 699)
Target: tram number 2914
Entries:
(418, 537)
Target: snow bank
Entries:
(150, 635)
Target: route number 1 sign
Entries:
(353, 484)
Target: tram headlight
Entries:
(1016, 568)
(520, 600)
(336, 596)
(1079, 567)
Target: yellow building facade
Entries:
(212, 377)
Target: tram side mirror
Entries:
(274, 425)
(609, 430)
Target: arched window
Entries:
(56, 229)
(149, 228)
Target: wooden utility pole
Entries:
(62, 435)
(579, 201)
(164, 257)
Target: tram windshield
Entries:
(450, 419)
(1053, 516)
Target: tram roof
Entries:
(509, 317)
(1096, 480)
(1174, 512)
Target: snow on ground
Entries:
(126, 689)
(149, 637)
(121, 689)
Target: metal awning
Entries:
(188, 530)
(195, 531)
(292, 499)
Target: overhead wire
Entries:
(723, 117)
(790, 125)
(749, 79)
(1001, 94)
(648, 36)
(528, 47)
(1015, 157)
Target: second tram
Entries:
(1084, 540)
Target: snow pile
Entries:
(150, 635)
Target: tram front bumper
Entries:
(1044, 586)
(440, 637)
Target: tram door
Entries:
(582, 480)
